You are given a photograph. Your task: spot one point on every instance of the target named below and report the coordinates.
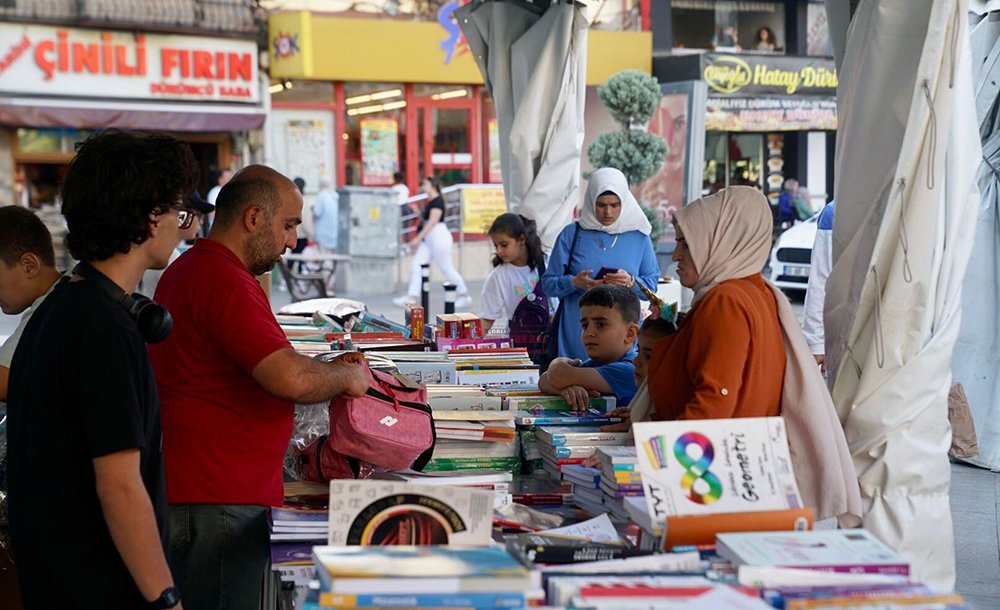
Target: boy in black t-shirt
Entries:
(85, 470)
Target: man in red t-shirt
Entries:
(228, 381)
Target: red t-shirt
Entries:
(224, 435)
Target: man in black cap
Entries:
(203, 208)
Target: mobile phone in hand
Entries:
(604, 271)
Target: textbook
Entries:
(424, 570)
(388, 513)
(851, 551)
(715, 466)
(579, 435)
(565, 418)
(545, 403)
(541, 548)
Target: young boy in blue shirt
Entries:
(609, 318)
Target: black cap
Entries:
(196, 202)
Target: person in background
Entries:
(433, 241)
(326, 214)
(27, 275)
(202, 208)
(301, 238)
(518, 264)
(609, 318)
(763, 40)
(820, 266)
(85, 471)
(786, 204)
(803, 204)
(229, 381)
(399, 187)
(612, 233)
(220, 181)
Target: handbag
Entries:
(552, 337)
(390, 426)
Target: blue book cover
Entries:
(591, 417)
(512, 599)
(582, 474)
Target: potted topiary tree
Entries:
(631, 97)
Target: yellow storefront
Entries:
(357, 99)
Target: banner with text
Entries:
(770, 114)
(749, 74)
(480, 207)
(379, 151)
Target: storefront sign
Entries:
(480, 207)
(379, 151)
(770, 114)
(60, 61)
(768, 74)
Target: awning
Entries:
(78, 114)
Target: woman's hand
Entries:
(622, 426)
(620, 278)
(583, 281)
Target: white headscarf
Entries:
(609, 179)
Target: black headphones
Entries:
(152, 319)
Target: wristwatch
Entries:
(168, 599)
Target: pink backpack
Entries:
(389, 427)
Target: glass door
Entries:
(449, 133)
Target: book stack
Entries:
(419, 576)
(560, 446)
(294, 531)
(586, 487)
(450, 455)
(473, 431)
(494, 367)
(424, 367)
(486, 426)
(541, 491)
(619, 478)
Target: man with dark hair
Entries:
(85, 469)
(27, 274)
(229, 381)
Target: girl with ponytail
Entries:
(517, 266)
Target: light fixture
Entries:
(375, 108)
(276, 88)
(371, 97)
(447, 95)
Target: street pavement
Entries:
(974, 492)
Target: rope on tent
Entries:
(933, 135)
(904, 239)
(879, 336)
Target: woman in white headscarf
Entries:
(740, 351)
(612, 233)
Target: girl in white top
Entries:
(518, 264)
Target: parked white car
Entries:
(791, 255)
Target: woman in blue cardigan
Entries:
(612, 232)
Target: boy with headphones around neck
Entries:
(229, 381)
(85, 465)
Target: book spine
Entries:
(530, 499)
(549, 554)
(888, 569)
(453, 600)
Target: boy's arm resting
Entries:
(304, 380)
(129, 515)
(562, 374)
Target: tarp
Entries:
(977, 353)
(907, 154)
(533, 61)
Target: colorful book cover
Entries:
(562, 451)
(545, 404)
(388, 513)
(715, 466)
(512, 599)
(565, 418)
(579, 435)
(853, 550)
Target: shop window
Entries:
(374, 133)
(49, 141)
(302, 92)
(732, 159)
(743, 27)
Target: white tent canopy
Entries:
(533, 61)
(906, 161)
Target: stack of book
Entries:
(494, 367)
(294, 531)
(541, 491)
(586, 487)
(485, 426)
(560, 446)
(451, 455)
(473, 431)
(424, 367)
(419, 576)
(619, 478)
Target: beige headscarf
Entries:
(729, 237)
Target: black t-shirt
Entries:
(434, 204)
(81, 387)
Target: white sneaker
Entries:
(404, 300)
(463, 300)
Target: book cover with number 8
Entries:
(702, 467)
